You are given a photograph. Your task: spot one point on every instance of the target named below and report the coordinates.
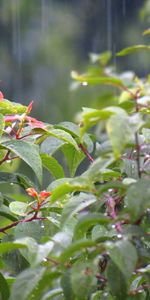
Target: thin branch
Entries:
(85, 151)
(6, 157)
(34, 217)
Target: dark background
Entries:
(41, 41)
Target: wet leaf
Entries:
(73, 158)
(18, 208)
(133, 49)
(137, 198)
(52, 165)
(29, 153)
(4, 288)
(26, 282)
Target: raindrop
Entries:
(11, 183)
(113, 226)
(140, 291)
(110, 190)
(105, 294)
(44, 259)
(42, 226)
(119, 236)
(84, 83)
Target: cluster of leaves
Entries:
(86, 235)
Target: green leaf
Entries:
(8, 246)
(69, 127)
(73, 158)
(28, 153)
(16, 178)
(51, 144)
(96, 80)
(97, 168)
(75, 247)
(52, 165)
(31, 229)
(137, 198)
(4, 288)
(133, 49)
(124, 255)
(91, 117)
(87, 221)
(116, 281)
(10, 108)
(26, 282)
(147, 31)
(52, 294)
(113, 126)
(19, 208)
(76, 204)
(68, 186)
(35, 253)
(83, 279)
(64, 136)
(2, 124)
(67, 286)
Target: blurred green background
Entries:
(41, 41)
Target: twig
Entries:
(6, 157)
(34, 217)
(85, 151)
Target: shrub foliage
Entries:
(86, 234)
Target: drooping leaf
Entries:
(76, 204)
(116, 281)
(69, 185)
(124, 255)
(51, 144)
(147, 31)
(10, 108)
(137, 198)
(69, 127)
(75, 247)
(95, 80)
(73, 157)
(35, 253)
(8, 246)
(16, 178)
(67, 286)
(26, 282)
(52, 165)
(83, 278)
(113, 126)
(52, 294)
(63, 136)
(133, 49)
(28, 153)
(4, 288)
(87, 221)
(97, 168)
(31, 229)
(18, 208)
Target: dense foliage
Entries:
(86, 234)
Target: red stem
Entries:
(34, 217)
(85, 151)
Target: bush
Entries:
(86, 235)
